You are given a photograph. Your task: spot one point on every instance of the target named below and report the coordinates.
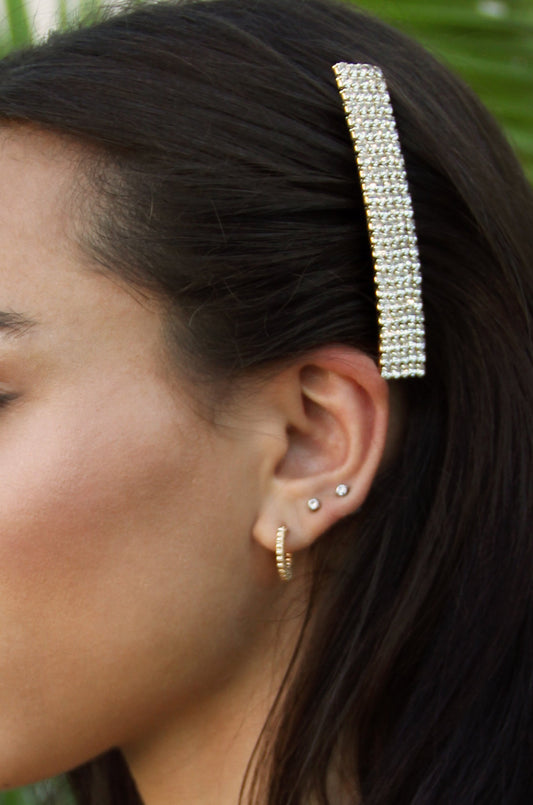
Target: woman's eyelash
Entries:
(6, 398)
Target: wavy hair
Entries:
(222, 178)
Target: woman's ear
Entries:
(331, 411)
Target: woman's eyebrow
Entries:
(15, 324)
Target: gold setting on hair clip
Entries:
(390, 219)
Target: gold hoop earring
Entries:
(283, 557)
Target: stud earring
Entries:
(283, 557)
(342, 490)
(313, 504)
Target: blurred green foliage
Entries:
(51, 792)
(488, 42)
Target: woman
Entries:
(190, 373)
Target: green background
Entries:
(489, 42)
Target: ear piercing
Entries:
(313, 504)
(283, 557)
(342, 490)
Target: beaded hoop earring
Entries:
(283, 557)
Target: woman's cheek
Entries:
(87, 559)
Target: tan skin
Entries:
(140, 607)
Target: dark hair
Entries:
(222, 177)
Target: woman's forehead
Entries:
(45, 277)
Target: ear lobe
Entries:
(335, 434)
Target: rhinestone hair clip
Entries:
(389, 213)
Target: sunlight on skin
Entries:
(125, 562)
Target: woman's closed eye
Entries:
(6, 398)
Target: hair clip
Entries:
(389, 213)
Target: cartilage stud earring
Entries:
(342, 490)
(313, 504)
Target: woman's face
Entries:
(120, 571)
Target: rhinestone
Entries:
(313, 504)
(342, 490)
(390, 218)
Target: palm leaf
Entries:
(18, 23)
